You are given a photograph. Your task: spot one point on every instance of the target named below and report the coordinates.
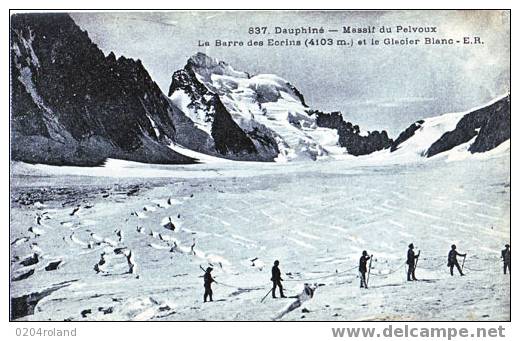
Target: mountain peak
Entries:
(205, 66)
(72, 105)
(202, 59)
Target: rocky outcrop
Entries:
(71, 105)
(406, 134)
(490, 125)
(350, 136)
(497, 128)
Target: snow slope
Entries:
(429, 132)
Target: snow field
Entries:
(315, 219)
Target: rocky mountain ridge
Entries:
(72, 105)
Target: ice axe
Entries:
(463, 261)
(204, 270)
(369, 267)
(417, 260)
(262, 300)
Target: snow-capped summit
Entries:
(269, 110)
(205, 66)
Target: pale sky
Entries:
(387, 87)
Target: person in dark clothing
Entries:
(410, 260)
(276, 279)
(207, 284)
(506, 257)
(363, 269)
(452, 259)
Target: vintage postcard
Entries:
(260, 165)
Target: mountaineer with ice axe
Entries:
(208, 279)
(276, 278)
(411, 260)
(363, 269)
(452, 260)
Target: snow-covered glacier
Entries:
(126, 241)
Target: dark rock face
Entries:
(228, 136)
(497, 128)
(491, 125)
(186, 80)
(406, 134)
(72, 105)
(298, 94)
(349, 135)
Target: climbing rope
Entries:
(433, 267)
(310, 279)
(320, 277)
(389, 273)
(343, 272)
(486, 259)
(236, 287)
(471, 269)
